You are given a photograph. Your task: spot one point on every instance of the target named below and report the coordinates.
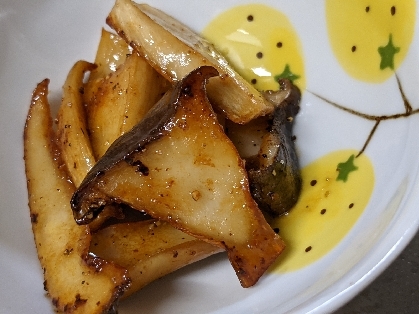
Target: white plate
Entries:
(41, 39)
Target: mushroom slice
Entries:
(149, 249)
(73, 138)
(174, 50)
(267, 145)
(122, 101)
(76, 281)
(110, 54)
(178, 165)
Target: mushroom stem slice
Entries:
(149, 249)
(76, 281)
(174, 50)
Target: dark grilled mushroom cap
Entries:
(273, 168)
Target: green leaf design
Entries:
(287, 74)
(345, 168)
(387, 54)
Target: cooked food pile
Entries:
(148, 168)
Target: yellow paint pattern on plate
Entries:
(260, 43)
(358, 28)
(326, 211)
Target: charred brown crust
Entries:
(34, 218)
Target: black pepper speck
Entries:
(393, 10)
